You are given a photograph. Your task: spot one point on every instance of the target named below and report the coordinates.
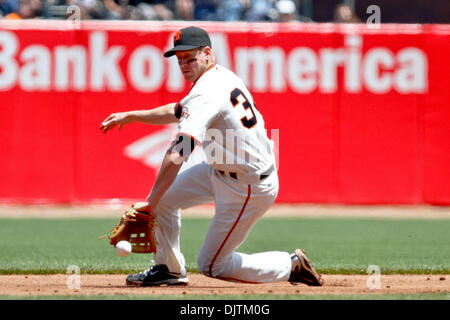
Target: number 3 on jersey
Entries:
(235, 101)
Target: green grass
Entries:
(341, 245)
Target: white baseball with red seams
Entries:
(240, 178)
(123, 248)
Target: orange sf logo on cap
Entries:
(177, 36)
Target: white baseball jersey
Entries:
(239, 176)
(220, 113)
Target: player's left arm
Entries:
(177, 153)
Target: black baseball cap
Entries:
(187, 39)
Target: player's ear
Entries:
(209, 54)
(207, 50)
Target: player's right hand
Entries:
(114, 119)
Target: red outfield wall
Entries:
(363, 114)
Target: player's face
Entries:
(193, 63)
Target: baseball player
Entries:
(239, 175)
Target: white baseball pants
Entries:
(237, 208)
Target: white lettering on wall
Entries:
(302, 68)
(70, 64)
(146, 68)
(331, 59)
(105, 71)
(352, 71)
(35, 71)
(411, 76)
(100, 67)
(259, 61)
(8, 65)
(378, 64)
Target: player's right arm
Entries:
(158, 116)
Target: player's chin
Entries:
(188, 75)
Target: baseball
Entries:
(123, 248)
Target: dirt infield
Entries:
(49, 285)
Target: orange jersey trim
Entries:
(210, 67)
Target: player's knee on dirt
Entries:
(209, 268)
(203, 264)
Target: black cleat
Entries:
(156, 276)
(303, 271)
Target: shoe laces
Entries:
(154, 268)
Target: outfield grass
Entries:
(338, 245)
